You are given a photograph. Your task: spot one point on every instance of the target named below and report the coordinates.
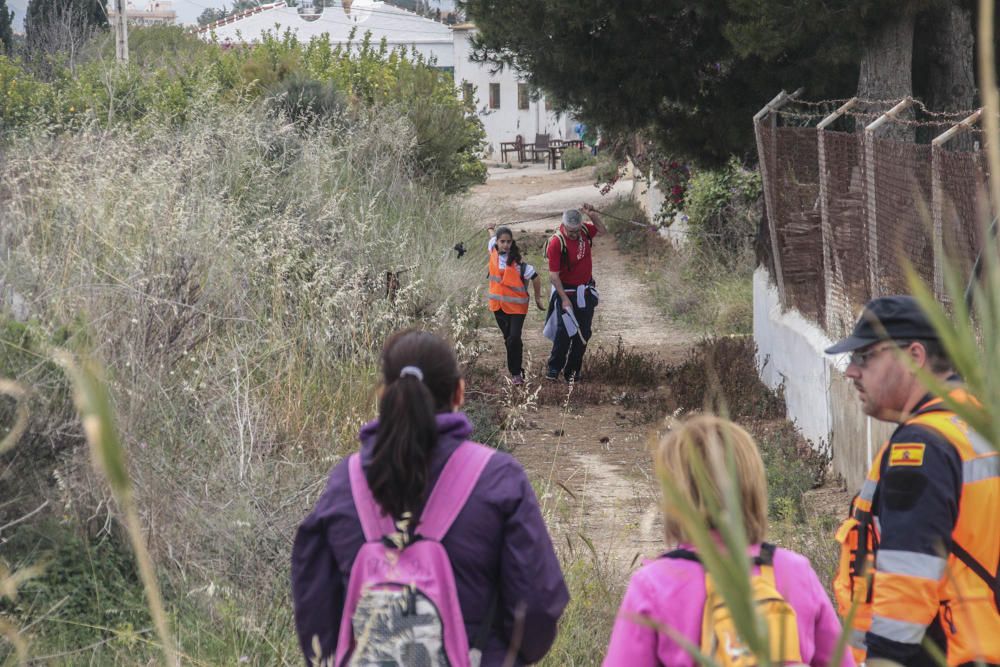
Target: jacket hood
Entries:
(453, 429)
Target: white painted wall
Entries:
(505, 123)
(398, 27)
(818, 398)
(790, 353)
(651, 198)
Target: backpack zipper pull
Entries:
(411, 601)
(949, 617)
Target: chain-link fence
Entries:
(854, 197)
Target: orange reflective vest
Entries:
(508, 290)
(893, 594)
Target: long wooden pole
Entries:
(831, 275)
(776, 103)
(121, 32)
(937, 196)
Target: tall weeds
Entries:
(236, 278)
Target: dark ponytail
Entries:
(514, 254)
(408, 407)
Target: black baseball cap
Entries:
(887, 318)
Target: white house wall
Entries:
(505, 123)
(818, 397)
(397, 27)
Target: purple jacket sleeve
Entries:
(633, 644)
(317, 589)
(533, 592)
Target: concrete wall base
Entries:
(819, 399)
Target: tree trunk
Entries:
(887, 71)
(949, 63)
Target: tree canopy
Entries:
(6, 29)
(62, 25)
(690, 74)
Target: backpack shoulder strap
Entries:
(766, 562)
(452, 489)
(562, 242)
(374, 523)
(970, 561)
(766, 556)
(682, 554)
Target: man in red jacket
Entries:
(571, 272)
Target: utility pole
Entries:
(121, 32)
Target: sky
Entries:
(187, 10)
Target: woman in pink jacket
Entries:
(670, 592)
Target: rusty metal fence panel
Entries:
(902, 214)
(846, 257)
(848, 219)
(963, 179)
(795, 199)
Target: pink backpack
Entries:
(402, 606)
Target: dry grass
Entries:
(707, 289)
(230, 276)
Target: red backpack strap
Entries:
(452, 489)
(374, 523)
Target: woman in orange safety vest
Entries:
(508, 297)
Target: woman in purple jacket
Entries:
(666, 597)
(506, 572)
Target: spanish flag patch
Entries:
(906, 454)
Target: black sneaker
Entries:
(552, 378)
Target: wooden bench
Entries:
(516, 146)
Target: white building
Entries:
(157, 12)
(503, 101)
(398, 27)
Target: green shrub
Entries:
(793, 467)
(174, 77)
(574, 158)
(22, 97)
(723, 209)
(607, 169)
(93, 584)
(305, 100)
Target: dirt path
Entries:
(589, 462)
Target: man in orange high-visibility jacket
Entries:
(921, 547)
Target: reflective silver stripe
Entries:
(977, 470)
(509, 299)
(878, 524)
(980, 445)
(868, 490)
(514, 289)
(857, 640)
(910, 564)
(898, 631)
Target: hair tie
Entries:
(412, 371)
